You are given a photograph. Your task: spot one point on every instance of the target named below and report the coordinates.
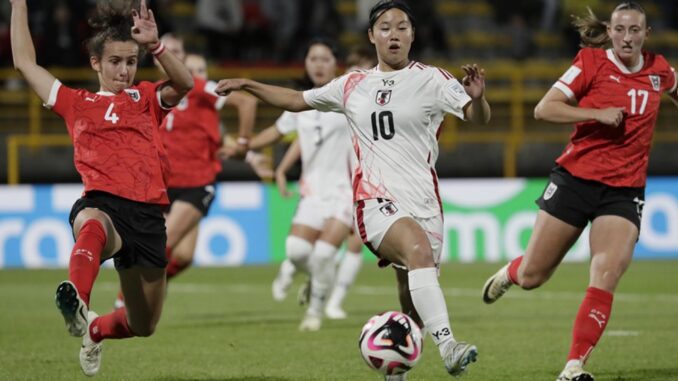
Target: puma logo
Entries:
(594, 315)
(615, 78)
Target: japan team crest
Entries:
(134, 94)
(383, 97)
(389, 209)
(656, 82)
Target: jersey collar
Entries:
(624, 69)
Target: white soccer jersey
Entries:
(395, 118)
(325, 151)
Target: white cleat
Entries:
(90, 352)
(335, 313)
(396, 377)
(575, 373)
(458, 355)
(279, 289)
(73, 309)
(310, 323)
(496, 285)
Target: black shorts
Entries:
(578, 201)
(140, 225)
(200, 197)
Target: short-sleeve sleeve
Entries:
(576, 81)
(211, 96)
(61, 100)
(452, 97)
(286, 123)
(153, 92)
(331, 96)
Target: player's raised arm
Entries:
(145, 32)
(23, 52)
(474, 84)
(288, 99)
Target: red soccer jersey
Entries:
(116, 139)
(191, 136)
(616, 156)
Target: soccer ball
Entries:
(391, 343)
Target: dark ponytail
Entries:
(112, 22)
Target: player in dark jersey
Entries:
(612, 96)
(119, 155)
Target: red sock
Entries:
(85, 257)
(513, 269)
(111, 326)
(174, 268)
(592, 318)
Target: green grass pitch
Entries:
(220, 324)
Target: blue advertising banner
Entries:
(246, 220)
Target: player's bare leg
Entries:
(548, 244)
(183, 252)
(407, 244)
(612, 240)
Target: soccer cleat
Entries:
(304, 294)
(458, 355)
(310, 323)
(90, 352)
(396, 377)
(335, 312)
(575, 373)
(73, 309)
(496, 286)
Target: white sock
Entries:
(429, 301)
(322, 269)
(286, 272)
(298, 251)
(348, 269)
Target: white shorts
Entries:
(374, 217)
(314, 212)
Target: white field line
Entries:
(245, 288)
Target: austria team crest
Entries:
(383, 97)
(134, 94)
(656, 82)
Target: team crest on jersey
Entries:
(389, 209)
(134, 94)
(656, 82)
(383, 97)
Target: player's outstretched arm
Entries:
(23, 52)
(555, 107)
(287, 99)
(145, 32)
(291, 156)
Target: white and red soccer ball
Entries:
(391, 343)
